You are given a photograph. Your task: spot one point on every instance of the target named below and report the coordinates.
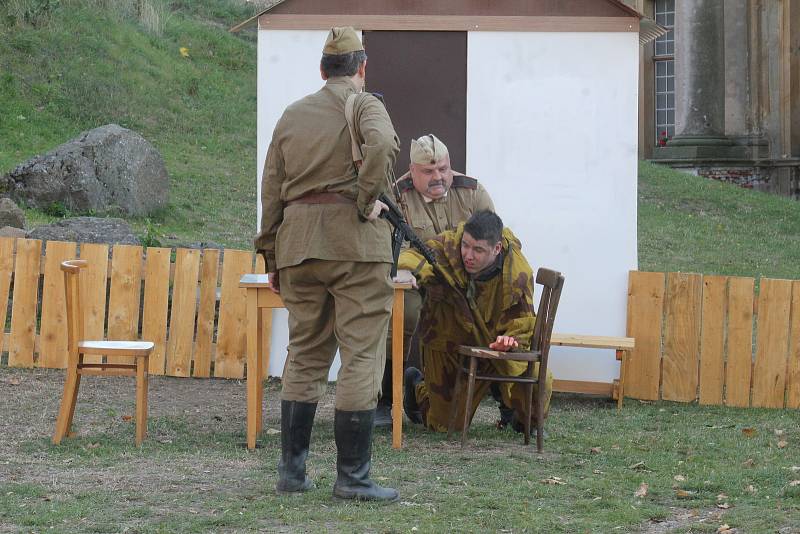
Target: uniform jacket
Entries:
(311, 153)
(505, 302)
(465, 197)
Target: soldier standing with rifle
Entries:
(329, 255)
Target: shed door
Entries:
(423, 77)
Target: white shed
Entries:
(537, 99)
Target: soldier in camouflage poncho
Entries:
(468, 302)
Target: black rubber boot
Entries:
(297, 418)
(353, 432)
(383, 413)
(411, 378)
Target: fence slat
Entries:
(712, 340)
(184, 306)
(94, 285)
(209, 273)
(156, 302)
(229, 359)
(123, 301)
(6, 269)
(53, 329)
(681, 337)
(772, 342)
(740, 341)
(26, 297)
(645, 312)
(793, 369)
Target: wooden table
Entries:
(260, 297)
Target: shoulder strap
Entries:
(465, 182)
(349, 114)
(405, 185)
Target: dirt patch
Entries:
(680, 519)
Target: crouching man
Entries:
(480, 293)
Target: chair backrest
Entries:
(72, 294)
(552, 282)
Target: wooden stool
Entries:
(78, 347)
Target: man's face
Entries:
(434, 179)
(478, 254)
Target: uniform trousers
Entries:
(336, 304)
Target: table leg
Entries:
(253, 379)
(623, 356)
(260, 374)
(397, 369)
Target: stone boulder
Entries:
(87, 230)
(106, 170)
(11, 214)
(11, 231)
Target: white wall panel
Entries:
(552, 134)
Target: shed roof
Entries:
(486, 15)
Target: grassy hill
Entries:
(91, 62)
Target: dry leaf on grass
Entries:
(723, 505)
(639, 466)
(680, 478)
(553, 480)
(726, 529)
(683, 494)
(597, 472)
(14, 381)
(595, 450)
(794, 483)
(92, 445)
(749, 432)
(127, 417)
(750, 489)
(779, 431)
(782, 444)
(721, 497)
(642, 491)
(273, 431)
(749, 462)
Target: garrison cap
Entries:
(428, 149)
(342, 41)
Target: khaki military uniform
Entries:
(504, 305)
(430, 218)
(334, 266)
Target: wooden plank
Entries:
(712, 340)
(740, 341)
(209, 272)
(184, 307)
(6, 270)
(793, 368)
(125, 295)
(645, 315)
(679, 373)
(156, 304)
(589, 388)
(53, 328)
(94, 289)
(229, 359)
(450, 23)
(772, 343)
(26, 297)
(594, 342)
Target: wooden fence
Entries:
(191, 306)
(712, 339)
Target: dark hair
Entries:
(342, 64)
(485, 225)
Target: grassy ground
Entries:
(704, 467)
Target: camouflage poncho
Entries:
(504, 303)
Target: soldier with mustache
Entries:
(434, 199)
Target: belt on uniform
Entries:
(322, 198)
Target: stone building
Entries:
(720, 93)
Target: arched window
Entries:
(664, 59)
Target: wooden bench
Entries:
(622, 345)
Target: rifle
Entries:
(401, 231)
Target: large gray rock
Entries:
(10, 231)
(11, 214)
(87, 230)
(108, 169)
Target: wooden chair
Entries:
(78, 347)
(552, 282)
